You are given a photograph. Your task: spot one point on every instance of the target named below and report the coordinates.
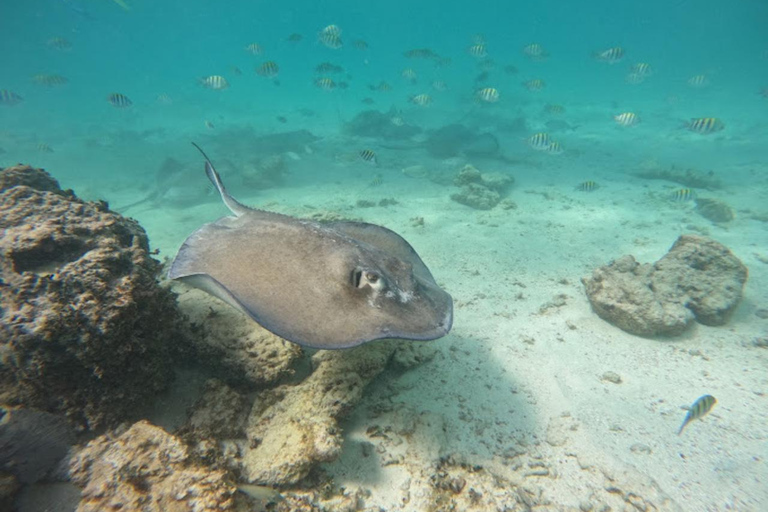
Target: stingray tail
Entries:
(233, 204)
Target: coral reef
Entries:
(714, 210)
(293, 427)
(85, 330)
(32, 442)
(146, 469)
(232, 344)
(220, 413)
(372, 123)
(481, 191)
(697, 279)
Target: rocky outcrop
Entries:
(698, 279)
(85, 329)
(145, 469)
(479, 190)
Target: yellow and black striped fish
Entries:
(699, 409)
(269, 69)
(254, 48)
(683, 194)
(215, 82)
(539, 141)
(59, 43)
(119, 100)
(626, 119)
(44, 148)
(535, 51)
(369, 156)
(698, 81)
(587, 186)
(554, 148)
(554, 109)
(9, 98)
(50, 80)
(488, 95)
(421, 100)
(330, 36)
(611, 55)
(642, 69)
(478, 50)
(325, 84)
(534, 85)
(377, 181)
(705, 125)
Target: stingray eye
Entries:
(371, 277)
(362, 278)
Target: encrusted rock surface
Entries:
(698, 278)
(293, 427)
(481, 191)
(147, 470)
(228, 340)
(85, 329)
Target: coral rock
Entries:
(86, 329)
(697, 279)
(292, 428)
(714, 210)
(147, 470)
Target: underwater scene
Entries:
(383, 256)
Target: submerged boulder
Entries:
(86, 330)
(698, 279)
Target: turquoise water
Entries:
(492, 262)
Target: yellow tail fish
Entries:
(700, 407)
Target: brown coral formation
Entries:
(481, 191)
(85, 330)
(698, 278)
(292, 428)
(146, 469)
(714, 210)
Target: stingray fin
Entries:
(233, 204)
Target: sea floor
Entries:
(521, 386)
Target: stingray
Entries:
(320, 285)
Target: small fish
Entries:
(510, 69)
(214, 82)
(50, 80)
(478, 50)
(626, 119)
(764, 92)
(397, 121)
(9, 98)
(682, 195)
(325, 84)
(409, 74)
(44, 148)
(634, 78)
(59, 43)
(587, 186)
(281, 119)
(554, 109)
(486, 65)
(269, 69)
(381, 87)
(421, 53)
(368, 101)
(535, 51)
(369, 156)
(119, 100)
(377, 181)
(611, 55)
(254, 48)
(261, 493)
(236, 70)
(534, 85)
(482, 77)
(359, 44)
(421, 100)
(705, 125)
(164, 99)
(698, 81)
(328, 67)
(642, 69)
(539, 141)
(698, 410)
(439, 85)
(294, 38)
(330, 36)
(554, 148)
(209, 125)
(488, 95)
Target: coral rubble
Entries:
(698, 279)
(481, 191)
(86, 330)
(714, 210)
(146, 469)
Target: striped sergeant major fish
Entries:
(682, 195)
(705, 125)
(587, 186)
(119, 100)
(698, 410)
(369, 156)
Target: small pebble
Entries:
(640, 448)
(611, 377)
